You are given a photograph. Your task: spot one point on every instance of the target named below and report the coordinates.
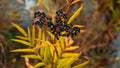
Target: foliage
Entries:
(100, 18)
(55, 53)
(51, 55)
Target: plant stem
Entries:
(54, 41)
(68, 6)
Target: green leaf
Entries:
(20, 29)
(22, 42)
(32, 56)
(23, 38)
(38, 65)
(75, 15)
(81, 65)
(23, 50)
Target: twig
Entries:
(27, 63)
(68, 6)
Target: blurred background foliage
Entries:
(100, 41)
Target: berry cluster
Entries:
(59, 26)
(40, 18)
(61, 16)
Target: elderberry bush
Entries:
(59, 26)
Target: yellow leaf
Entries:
(22, 42)
(66, 41)
(64, 32)
(45, 55)
(70, 42)
(75, 14)
(20, 29)
(51, 35)
(42, 51)
(14, 60)
(55, 57)
(23, 38)
(62, 43)
(23, 50)
(53, 53)
(65, 62)
(45, 42)
(40, 46)
(29, 34)
(52, 49)
(67, 1)
(33, 35)
(39, 35)
(38, 65)
(75, 1)
(70, 55)
(43, 36)
(61, 62)
(81, 31)
(48, 52)
(71, 48)
(69, 62)
(81, 65)
(78, 26)
(58, 48)
(32, 56)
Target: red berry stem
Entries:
(68, 6)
